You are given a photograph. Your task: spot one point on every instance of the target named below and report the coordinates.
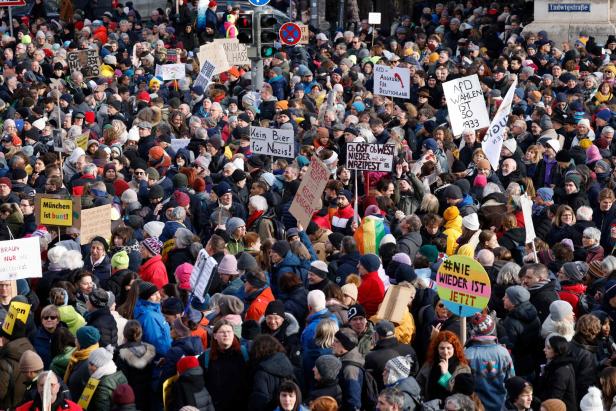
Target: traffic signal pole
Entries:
(256, 66)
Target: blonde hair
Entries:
(326, 330)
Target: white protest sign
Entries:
(215, 54)
(370, 157)
(201, 274)
(466, 105)
(392, 82)
(374, 18)
(172, 71)
(308, 197)
(20, 259)
(494, 138)
(237, 53)
(205, 75)
(179, 143)
(272, 142)
(527, 210)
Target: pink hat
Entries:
(182, 274)
(228, 265)
(592, 154)
(480, 181)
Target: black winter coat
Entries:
(584, 358)
(385, 350)
(104, 322)
(287, 335)
(295, 303)
(558, 381)
(520, 330)
(135, 360)
(78, 379)
(179, 348)
(175, 258)
(226, 378)
(326, 389)
(190, 389)
(268, 376)
(542, 297)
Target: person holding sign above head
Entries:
(57, 400)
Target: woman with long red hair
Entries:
(445, 360)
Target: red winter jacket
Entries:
(67, 406)
(571, 294)
(154, 271)
(371, 293)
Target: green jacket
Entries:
(235, 247)
(101, 400)
(365, 343)
(60, 361)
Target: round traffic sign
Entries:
(259, 2)
(290, 34)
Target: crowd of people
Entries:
(292, 316)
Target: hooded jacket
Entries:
(12, 387)
(289, 264)
(135, 360)
(270, 372)
(520, 330)
(351, 379)
(155, 328)
(189, 389)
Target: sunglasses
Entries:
(50, 317)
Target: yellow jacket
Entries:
(405, 330)
(453, 230)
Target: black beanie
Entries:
(146, 290)
(275, 307)
(281, 248)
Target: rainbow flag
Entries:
(370, 233)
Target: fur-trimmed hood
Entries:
(292, 324)
(138, 355)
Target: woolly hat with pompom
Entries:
(592, 400)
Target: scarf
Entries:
(78, 355)
(105, 370)
(253, 218)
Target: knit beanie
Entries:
(371, 262)
(592, 400)
(356, 310)
(123, 395)
(429, 251)
(347, 338)
(402, 258)
(471, 221)
(246, 262)
(275, 307)
(451, 213)
(99, 298)
(328, 367)
(153, 245)
(88, 336)
(154, 228)
(30, 361)
(146, 290)
(559, 310)
(230, 304)
(517, 294)
(281, 247)
(316, 300)
(554, 405)
(453, 192)
(100, 357)
(574, 178)
(576, 270)
(129, 196)
(398, 367)
(172, 306)
(233, 223)
(515, 386)
(482, 325)
(186, 363)
(228, 265)
(120, 260)
(350, 290)
(182, 274)
(319, 268)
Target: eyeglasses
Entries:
(50, 317)
(139, 173)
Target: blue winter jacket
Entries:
(179, 348)
(310, 350)
(155, 329)
(290, 263)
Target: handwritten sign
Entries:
(237, 53)
(374, 18)
(88, 393)
(95, 221)
(20, 258)
(308, 197)
(463, 285)
(201, 274)
(172, 71)
(273, 142)
(305, 39)
(55, 211)
(370, 157)
(86, 61)
(392, 82)
(215, 54)
(466, 104)
(17, 311)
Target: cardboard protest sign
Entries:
(215, 54)
(272, 142)
(370, 157)
(86, 61)
(20, 258)
(172, 71)
(466, 105)
(236, 52)
(463, 285)
(392, 82)
(494, 138)
(305, 39)
(17, 311)
(54, 211)
(374, 18)
(205, 75)
(308, 197)
(395, 304)
(201, 274)
(94, 222)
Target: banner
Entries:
(86, 61)
(179, 143)
(17, 310)
(493, 141)
(308, 197)
(466, 105)
(215, 54)
(392, 82)
(88, 393)
(272, 142)
(527, 210)
(236, 52)
(370, 157)
(95, 221)
(201, 274)
(20, 259)
(54, 211)
(205, 75)
(172, 71)
(463, 285)
(82, 140)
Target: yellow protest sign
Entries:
(88, 392)
(56, 211)
(82, 140)
(463, 285)
(17, 310)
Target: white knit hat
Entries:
(316, 300)
(592, 400)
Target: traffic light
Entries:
(244, 28)
(267, 34)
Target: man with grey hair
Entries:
(390, 399)
(459, 402)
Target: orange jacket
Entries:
(259, 304)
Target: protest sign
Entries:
(17, 311)
(272, 142)
(392, 82)
(215, 54)
(20, 259)
(172, 71)
(374, 18)
(94, 222)
(463, 285)
(305, 39)
(201, 274)
(54, 211)
(82, 140)
(527, 210)
(179, 143)
(88, 393)
(237, 53)
(205, 75)
(86, 61)
(370, 157)
(308, 197)
(466, 105)
(395, 304)
(494, 138)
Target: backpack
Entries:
(369, 388)
(280, 233)
(206, 355)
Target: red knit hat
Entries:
(143, 96)
(181, 199)
(156, 152)
(90, 117)
(199, 185)
(186, 363)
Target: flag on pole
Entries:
(494, 138)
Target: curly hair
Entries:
(451, 338)
(588, 326)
